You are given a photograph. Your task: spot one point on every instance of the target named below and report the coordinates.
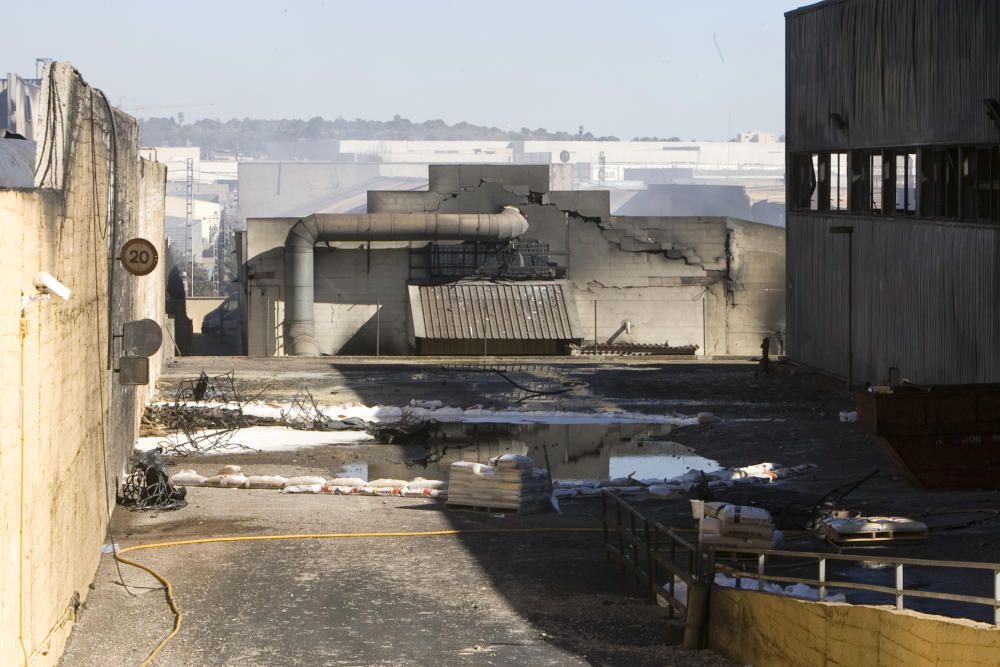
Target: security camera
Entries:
(46, 283)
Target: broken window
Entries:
(905, 171)
(803, 188)
(938, 187)
(838, 181)
(859, 165)
(820, 181)
(981, 183)
(876, 161)
(954, 182)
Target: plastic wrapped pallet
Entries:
(872, 529)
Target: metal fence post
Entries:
(996, 598)
(650, 562)
(899, 586)
(621, 537)
(635, 546)
(822, 579)
(760, 571)
(604, 524)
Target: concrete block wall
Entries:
(348, 293)
(774, 631)
(757, 305)
(67, 428)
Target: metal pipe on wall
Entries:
(299, 324)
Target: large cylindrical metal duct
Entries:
(300, 337)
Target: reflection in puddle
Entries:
(570, 451)
(659, 466)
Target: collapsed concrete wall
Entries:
(717, 283)
(67, 428)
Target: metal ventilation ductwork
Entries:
(300, 335)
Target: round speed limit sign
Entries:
(139, 257)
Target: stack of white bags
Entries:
(735, 526)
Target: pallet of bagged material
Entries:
(495, 496)
(520, 508)
(872, 530)
(507, 485)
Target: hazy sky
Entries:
(702, 69)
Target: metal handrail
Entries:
(648, 550)
(899, 591)
(639, 539)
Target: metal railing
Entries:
(823, 582)
(655, 555)
(651, 552)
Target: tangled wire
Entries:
(148, 485)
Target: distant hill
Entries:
(250, 137)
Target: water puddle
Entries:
(570, 451)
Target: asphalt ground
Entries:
(539, 598)
(482, 599)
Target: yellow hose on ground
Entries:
(168, 588)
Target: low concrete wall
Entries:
(67, 426)
(768, 630)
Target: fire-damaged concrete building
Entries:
(893, 139)
(490, 261)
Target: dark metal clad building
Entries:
(893, 139)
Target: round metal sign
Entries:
(141, 338)
(139, 257)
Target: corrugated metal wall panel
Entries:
(926, 299)
(903, 73)
(530, 310)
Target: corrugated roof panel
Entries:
(529, 310)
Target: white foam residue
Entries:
(264, 439)
(474, 414)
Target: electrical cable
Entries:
(168, 588)
(97, 334)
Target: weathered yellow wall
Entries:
(65, 423)
(774, 631)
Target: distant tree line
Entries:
(250, 137)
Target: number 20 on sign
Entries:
(139, 257)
